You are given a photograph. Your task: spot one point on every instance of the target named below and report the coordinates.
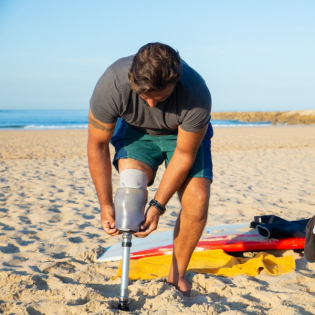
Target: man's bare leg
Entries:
(194, 196)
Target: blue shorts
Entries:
(129, 143)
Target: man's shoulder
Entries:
(191, 78)
(192, 86)
(121, 65)
(115, 76)
(112, 91)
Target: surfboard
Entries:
(229, 237)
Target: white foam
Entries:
(85, 126)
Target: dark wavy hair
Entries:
(154, 67)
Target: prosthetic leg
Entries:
(129, 213)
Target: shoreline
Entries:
(214, 126)
(15, 120)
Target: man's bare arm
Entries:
(99, 158)
(180, 164)
(101, 169)
(98, 125)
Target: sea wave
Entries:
(83, 126)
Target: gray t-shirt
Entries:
(188, 106)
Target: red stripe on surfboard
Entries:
(239, 243)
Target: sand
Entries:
(50, 234)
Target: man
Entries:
(165, 110)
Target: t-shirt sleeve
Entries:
(106, 98)
(199, 112)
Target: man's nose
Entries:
(152, 103)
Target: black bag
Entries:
(271, 226)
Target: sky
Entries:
(253, 55)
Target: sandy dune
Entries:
(50, 234)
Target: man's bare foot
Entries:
(181, 284)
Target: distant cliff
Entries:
(294, 117)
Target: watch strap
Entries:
(154, 203)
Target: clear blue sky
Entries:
(254, 55)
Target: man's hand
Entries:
(150, 223)
(108, 220)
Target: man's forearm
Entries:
(174, 176)
(101, 172)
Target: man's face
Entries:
(152, 98)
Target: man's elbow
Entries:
(96, 147)
(187, 158)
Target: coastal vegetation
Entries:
(295, 117)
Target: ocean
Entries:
(71, 119)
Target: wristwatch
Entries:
(154, 203)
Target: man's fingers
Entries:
(110, 220)
(145, 232)
(144, 225)
(150, 223)
(111, 232)
(109, 229)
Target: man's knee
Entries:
(124, 164)
(196, 190)
(194, 215)
(202, 196)
(194, 198)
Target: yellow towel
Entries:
(216, 262)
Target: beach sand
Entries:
(50, 233)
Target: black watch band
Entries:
(158, 206)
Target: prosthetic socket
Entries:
(129, 208)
